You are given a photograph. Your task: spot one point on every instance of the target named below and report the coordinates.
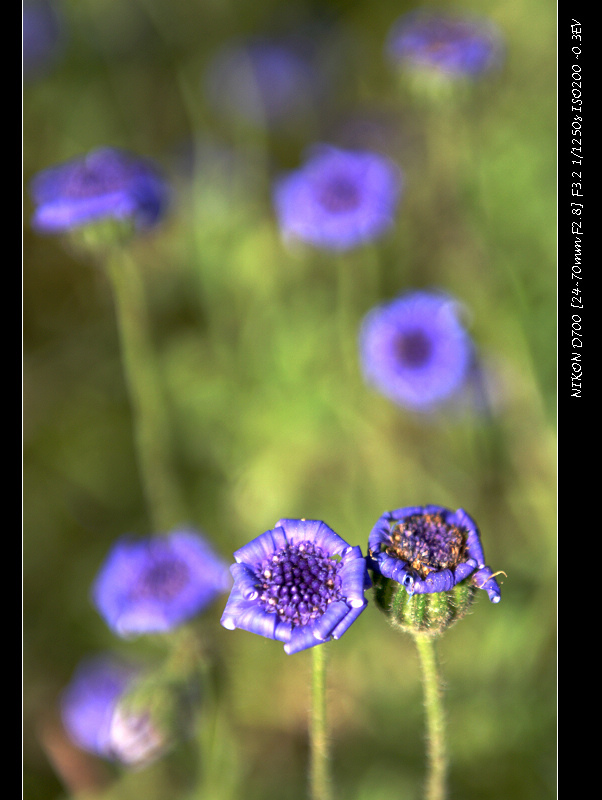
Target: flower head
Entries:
(106, 183)
(415, 350)
(300, 584)
(429, 549)
(339, 199)
(96, 720)
(448, 44)
(89, 701)
(42, 36)
(152, 585)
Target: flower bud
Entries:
(424, 613)
(427, 563)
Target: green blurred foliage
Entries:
(257, 348)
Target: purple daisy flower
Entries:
(95, 721)
(445, 43)
(88, 703)
(430, 549)
(415, 350)
(106, 183)
(300, 583)
(42, 36)
(338, 199)
(154, 584)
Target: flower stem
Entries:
(150, 417)
(435, 722)
(320, 787)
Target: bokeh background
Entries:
(256, 346)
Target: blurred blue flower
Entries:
(429, 549)
(89, 701)
(153, 584)
(414, 349)
(106, 183)
(453, 45)
(262, 81)
(299, 583)
(42, 36)
(95, 721)
(338, 199)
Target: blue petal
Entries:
(283, 632)
(473, 541)
(248, 616)
(348, 621)
(464, 570)
(302, 638)
(262, 547)
(483, 579)
(353, 575)
(441, 581)
(316, 531)
(245, 581)
(299, 530)
(334, 614)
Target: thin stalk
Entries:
(150, 418)
(320, 786)
(435, 721)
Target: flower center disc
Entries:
(163, 581)
(427, 543)
(338, 195)
(413, 348)
(97, 176)
(298, 583)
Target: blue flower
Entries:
(154, 584)
(448, 44)
(94, 719)
(42, 36)
(338, 199)
(300, 584)
(429, 549)
(89, 701)
(106, 183)
(415, 350)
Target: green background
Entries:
(256, 347)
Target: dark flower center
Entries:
(338, 194)
(427, 543)
(436, 35)
(162, 581)
(413, 348)
(93, 178)
(298, 583)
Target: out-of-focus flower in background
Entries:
(300, 583)
(449, 44)
(338, 199)
(415, 350)
(97, 719)
(108, 183)
(43, 36)
(264, 82)
(89, 701)
(154, 584)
